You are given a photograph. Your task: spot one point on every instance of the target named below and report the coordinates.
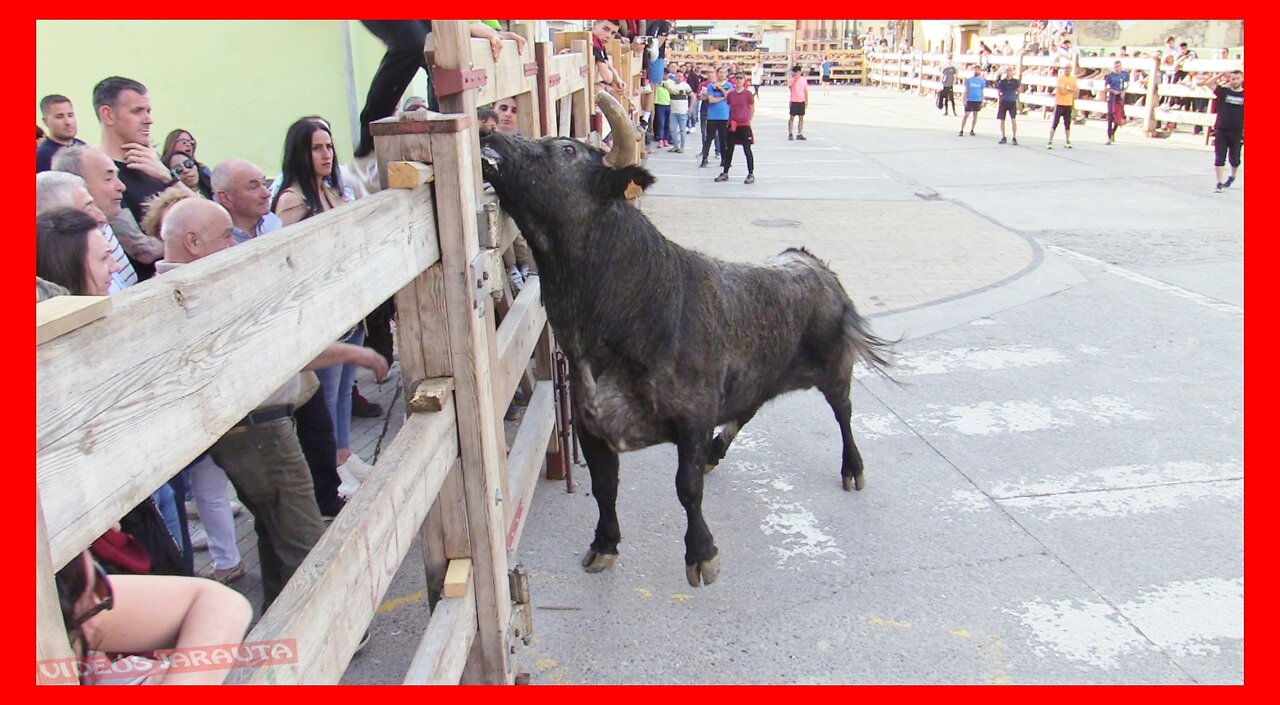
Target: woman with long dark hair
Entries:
(72, 252)
(181, 141)
(311, 183)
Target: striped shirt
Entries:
(126, 277)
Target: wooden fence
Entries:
(922, 72)
(182, 357)
(849, 65)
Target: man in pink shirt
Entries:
(799, 86)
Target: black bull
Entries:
(665, 344)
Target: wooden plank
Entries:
(221, 335)
(524, 464)
(332, 597)
(584, 101)
(430, 395)
(409, 174)
(546, 96)
(516, 340)
(457, 186)
(506, 77)
(442, 653)
(63, 314)
(51, 632)
(458, 577)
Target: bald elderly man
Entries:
(241, 187)
(261, 454)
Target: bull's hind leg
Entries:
(603, 464)
(701, 559)
(720, 444)
(837, 395)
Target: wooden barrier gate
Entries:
(923, 72)
(184, 356)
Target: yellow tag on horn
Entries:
(633, 191)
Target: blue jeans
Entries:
(661, 115)
(677, 129)
(335, 384)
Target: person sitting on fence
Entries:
(102, 178)
(142, 613)
(72, 252)
(60, 188)
(261, 454)
(601, 32)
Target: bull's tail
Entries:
(866, 346)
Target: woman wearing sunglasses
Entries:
(187, 170)
(131, 614)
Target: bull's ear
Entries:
(628, 182)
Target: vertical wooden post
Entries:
(547, 105)
(1153, 97)
(583, 104)
(51, 633)
(471, 339)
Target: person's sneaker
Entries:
(362, 407)
(1230, 180)
(1015, 141)
(236, 508)
(703, 165)
(365, 171)
(1050, 145)
(192, 509)
(235, 572)
(971, 134)
(1217, 189)
(1068, 145)
(328, 514)
(352, 473)
(960, 133)
(751, 179)
(802, 137)
(1003, 141)
(199, 539)
(790, 136)
(517, 279)
(722, 177)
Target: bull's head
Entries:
(556, 183)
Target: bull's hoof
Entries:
(854, 483)
(706, 469)
(596, 562)
(703, 572)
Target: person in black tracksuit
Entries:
(1228, 130)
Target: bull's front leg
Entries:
(702, 562)
(603, 464)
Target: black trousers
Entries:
(1227, 142)
(314, 427)
(405, 40)
(741, 136)
(715, 129)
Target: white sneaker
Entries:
(199, 539)
(352, 473)
(517, 279)
(236, 508)
(364, 171)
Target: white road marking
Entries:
(1153, 283)
(796, 528)
(1187, 617)
(937, 362)
(1129, 502)
(1116, 477)
(774, 177)
(989, 418)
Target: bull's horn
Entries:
(623, 152)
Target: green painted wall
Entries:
(236, 85)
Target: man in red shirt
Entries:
(742, 107)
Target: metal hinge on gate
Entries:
(485, 278)
(489, 225)
(454, 81)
